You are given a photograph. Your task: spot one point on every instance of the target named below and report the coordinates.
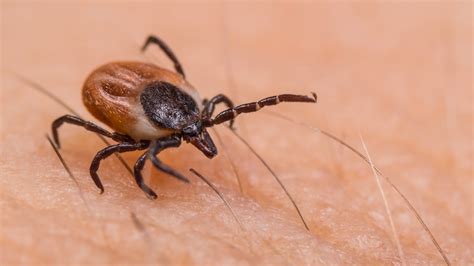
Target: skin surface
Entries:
(398, 73)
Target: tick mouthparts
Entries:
(201, 145)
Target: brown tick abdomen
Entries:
(112, 92)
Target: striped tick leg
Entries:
(231, 113)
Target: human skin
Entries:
(397, 74)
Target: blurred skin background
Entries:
(396, 73)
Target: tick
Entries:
(151, 108)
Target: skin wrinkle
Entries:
(338, 50)
(220, 196)
(283, 187)
(79, 191)
(367, 159)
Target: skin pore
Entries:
(398, 74)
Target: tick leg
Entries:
(70, 119)
(209, 106)
(139, 178)
(156, 147)
(167, 50)
(106, 152)
(231, 113)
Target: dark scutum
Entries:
(168, 107)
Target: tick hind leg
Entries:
(106, 152)
(70, 119)
(155, 147)
(167, 50)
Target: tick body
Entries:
(141, 100)
(151, 108)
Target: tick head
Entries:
(197, 135)
(192, 131)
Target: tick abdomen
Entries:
(112, 95)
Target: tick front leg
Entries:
(70, 119)
(159, 145)
(232, 113)
(106, 152)
(155, 147)
(209, 106)
(139, 178)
